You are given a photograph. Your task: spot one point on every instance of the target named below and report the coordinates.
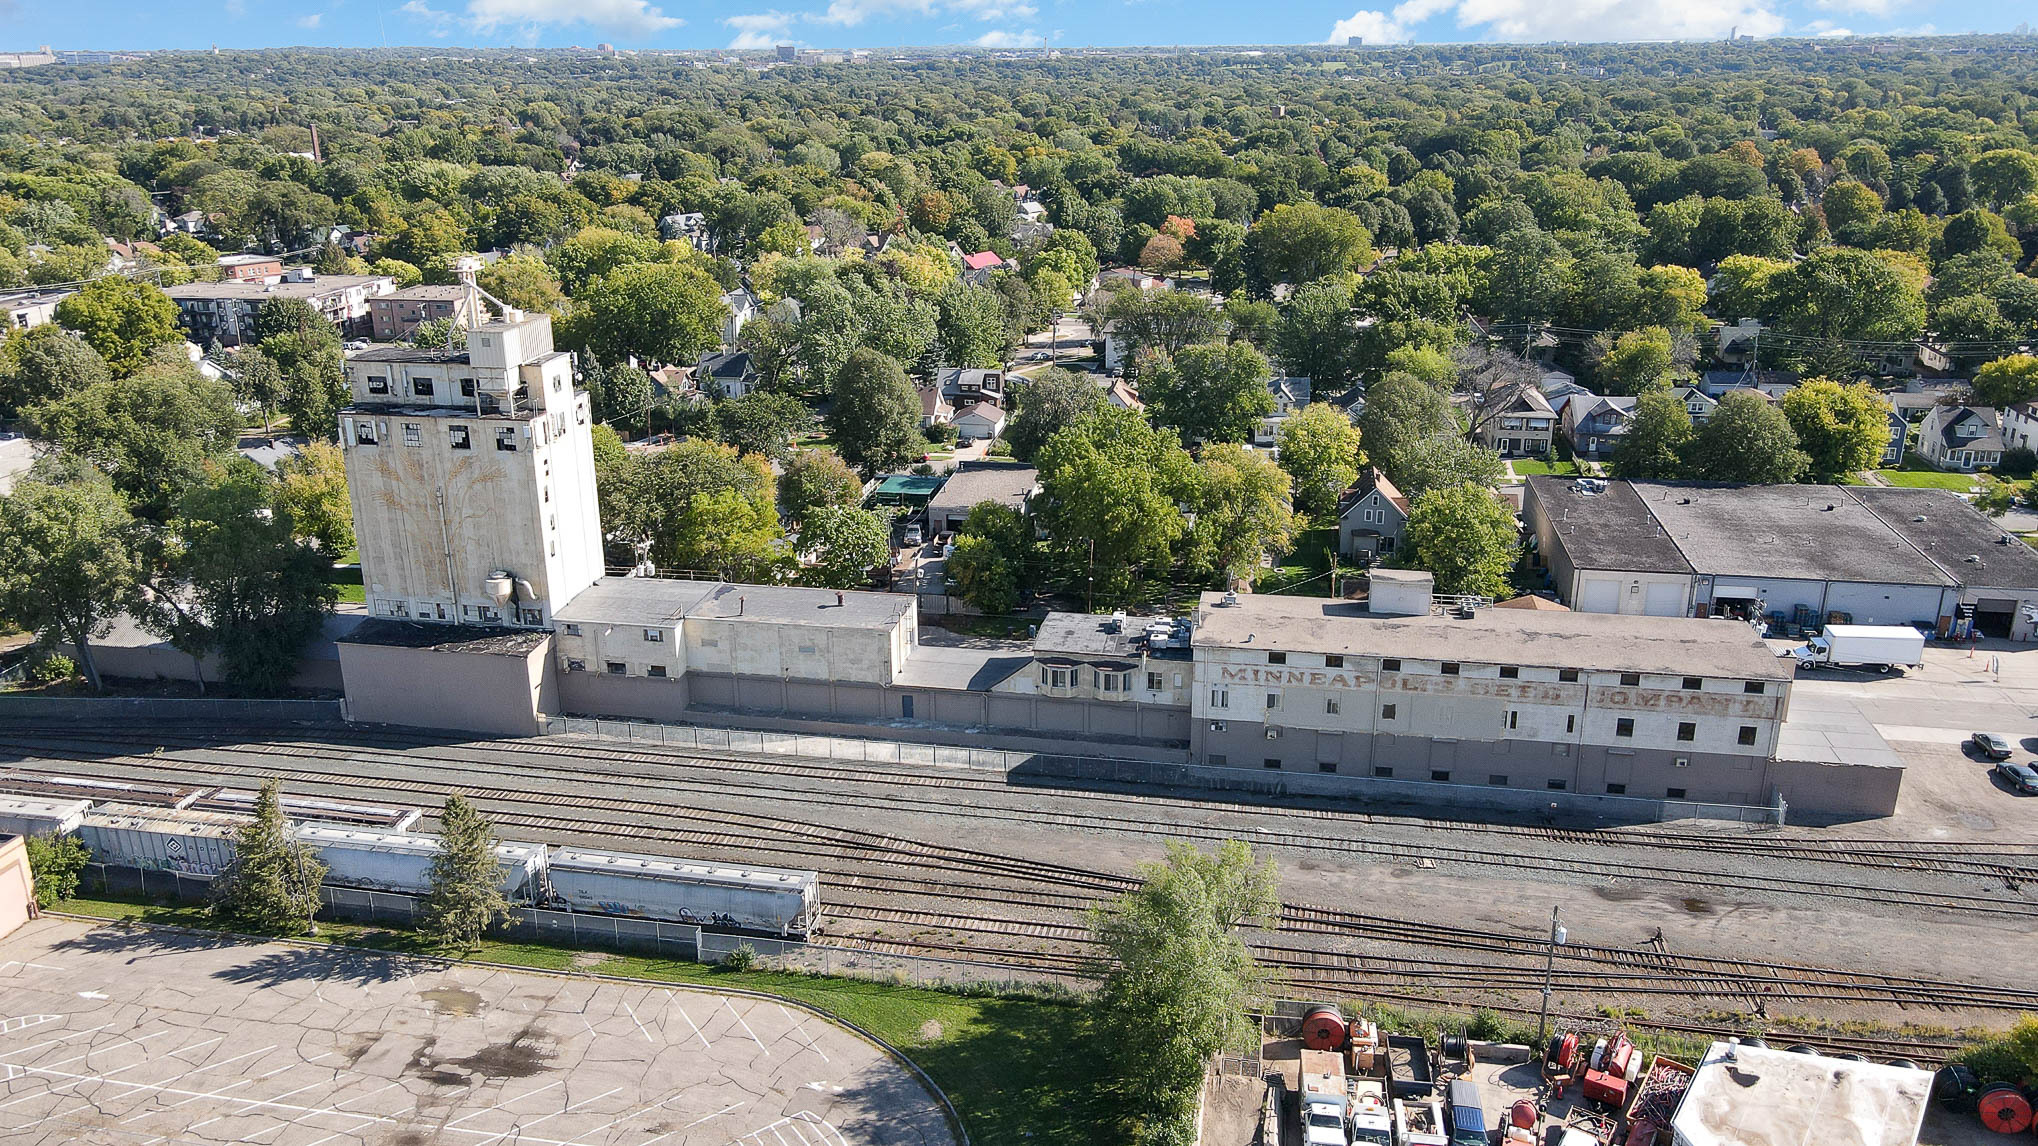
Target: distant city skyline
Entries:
(1013, 24)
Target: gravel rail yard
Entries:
(1687, 929)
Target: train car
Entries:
(769, 900)
(161, 839)
(28, 816)
(402, 861)
(138, 793)
(313, 808)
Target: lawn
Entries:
(1019, 1070)
(1301, 572)
(355, 594)
(1932, 479)
(1527, 467)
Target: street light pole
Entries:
(1549, 963)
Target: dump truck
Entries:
(1326, 1106)
(1411, 1073)
(1877, 647)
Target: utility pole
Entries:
(1549, 963)
(1090, 598)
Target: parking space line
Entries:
(802, 1031)
(202, 1068)
(51, 1089)
(519, 1128)
(677, 1006)
(641, 1028)
(333, 1109)
(505, 1102)
(61, 1039)
(746, 1026)
(93, 1102)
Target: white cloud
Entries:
(436, 22)
(1862, 7)
(629, 17)
(988, 10)
(311, 21)
(1003, 39)
(1920, 30)
(853, 12)
(1584, 20)
(759, 29)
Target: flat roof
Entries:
(654, 601)
(1601, 642)
(409, 354)
(1607, 530)
(1804, 532)
(1764, 1097)
(323, 284)
(909, 485)
(447, 638)
(1006, 483)
(429, 290)
(1951, 531)
(1096, 635)
(1825, 729)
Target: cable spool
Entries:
(1802, 1048)
(1323, 1027)
(1955, 1087)
(1522, 1115)
(1563, 1051)
(1453, 1046)
(1904, 1063)
(2004, 1108)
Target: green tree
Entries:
(1112, 487)
(970, 324)
(657, 312)
(1319, 448)
(1656, 441)
(123, 319)
(152, 432)
(1440, 461)
(1303, 242)
(1637, 362)
(700, 506)
(816, 478)
(44, 363)
(2022, 1043)
(1842, 429)
(311, 494)
(521, 281)
(1746, 440)
(763, 423)
(844, 543)
(55, 862)
(1044, 404)
(273, 884)
(466, 896)
(1163, 321)
(1177, 981)
(876, 415)
(439, 334)
(2007, 381)
(1839, 295)
(1464, 536)
(1243, 512)
(1216, 392)
(1402, 410)
(2002, 177)
(257, 381)
(1317, 338)
(67, 561)
(992, 549)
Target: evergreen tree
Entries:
(274, 882)
(466, 897)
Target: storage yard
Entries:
(302, 1045)
(1701, 932)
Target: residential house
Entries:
(1697, 403)
(1595, 423)
(1899, 433)
(1010, 484)
(981, 421)
(1119, 277)
(688, 226)
(1290, 395)
(935, 409)
(1371, 517)
(1913, 405)
(966, 386)
(2020, 426)
(1775, 383)
(396, 315)
(1123, 394)
(1740, 343)
(249, 268)
(20, 310)
(977, 268)
(1517, 421)
(1559, 390)
(743, 306)
(1961, 437)
(731, 373)
(189, 223)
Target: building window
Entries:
(618, 668)
(1219, 759)
(1673, 793)
(1693, 684)
(1440, 775)
(457, 435)
(655, 670)
(1277, 658)
(1333, 661)
(1496, 780)
(1746, 736)
(573, 630)
(1555, 785)
(575, 664)
(1568, 676)
(1383, 772)
(1058, 678)
(1625, 726)
(1616, 789)
(711, 642)
(1331, 707)
(1513, 719)
(1390, 664)
(378, 385)
(422, 387)
(506, 441)
(364, 433)
(655, 636)
(1509, 672)
(1752, 687)
(1220, 698)
(467, 387)
(1687, 730)
(1273, 700)
(1271, 762)
(1218, 726)
(413, 434)
(1386, 712)
(531, 616)
(1631, 679)
(1450, 668)
(1110, 681)
(1273, 734)
(1155, 682)
(1326, 765)
(1570, 722)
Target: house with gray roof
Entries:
(1961, 437)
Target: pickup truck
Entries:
(1325, 1105)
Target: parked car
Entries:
(913, 534)
(1990, 746)
(965, 440)
(2022, 778)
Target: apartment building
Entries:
(224, 312)
(396, 315)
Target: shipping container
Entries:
(161, 839)
(685, 891)
(24, 816)
(402, 861)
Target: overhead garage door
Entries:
(1664, 601)
(1598, 595)
(1995, 616)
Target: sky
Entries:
(134, 24)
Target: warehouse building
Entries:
(1795, 554)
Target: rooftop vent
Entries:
(1920, 519)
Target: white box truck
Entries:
(1878, 647)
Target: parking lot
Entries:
(144, 1036)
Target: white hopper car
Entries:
(402, 861)
(161, 839)
(26, 816)
(686, 891)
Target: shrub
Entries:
(56, 862)
(2018, 462)
(741, 958)
(53, 668)
(940, 434)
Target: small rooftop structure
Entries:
(1090, 635)
(1754, 1096)
(659, 601)
(906, 489)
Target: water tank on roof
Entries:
(499, 586)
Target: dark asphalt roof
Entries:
(1609, 530)
(446, 638)
(1951, 532)
(1803, 532)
